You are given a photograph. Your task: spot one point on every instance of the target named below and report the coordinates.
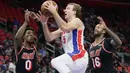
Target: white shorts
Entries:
(65, 64)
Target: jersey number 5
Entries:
(96, 62)
(64, 39)
(28, 65)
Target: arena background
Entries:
(116, 14)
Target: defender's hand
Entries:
(50, 7)
(101, 21)
(40, 17)
(26, 16)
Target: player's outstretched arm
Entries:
(49, 36)
(21, 30)
(115, 39)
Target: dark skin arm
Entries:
(21, 30)
(116, 42)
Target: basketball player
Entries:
(25, 45)
(101, 49)
(75, 59)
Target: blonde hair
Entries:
(77, 8)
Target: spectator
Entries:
(4, 65)
(12, 67)
(16, 25)
(1, 71)
(9, 25)
(7, 71)
(124, 70)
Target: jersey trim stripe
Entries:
(79, 39)
(20, 50)
(79, 55)
(24, 47)
(78, 51)
(104, 48)
(75, 44)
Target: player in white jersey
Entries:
(75, 59)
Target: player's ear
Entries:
(104, 31)
(75, 12)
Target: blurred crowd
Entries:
(117, 22)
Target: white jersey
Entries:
(75, 59)
(72, 43)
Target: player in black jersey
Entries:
(25, 46)
(100, 51)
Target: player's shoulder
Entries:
(108, 39)
(78, 21)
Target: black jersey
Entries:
(101, 57)
(26, 60)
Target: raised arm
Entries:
(49, 36)
(21, 30)
(61, 23)
(115, 39)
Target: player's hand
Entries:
(42, 18)
(50, 7)
(26, 16)
(101, 21)
(33, 15)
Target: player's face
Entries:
(69, 12)
(29, 36)
(99, 30)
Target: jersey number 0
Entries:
(28, 65)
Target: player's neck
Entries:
(27, 44)
(71, 18)
(98, 39)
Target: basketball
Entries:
(45, 11)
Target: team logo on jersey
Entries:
(28, 55)
(95, 52)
